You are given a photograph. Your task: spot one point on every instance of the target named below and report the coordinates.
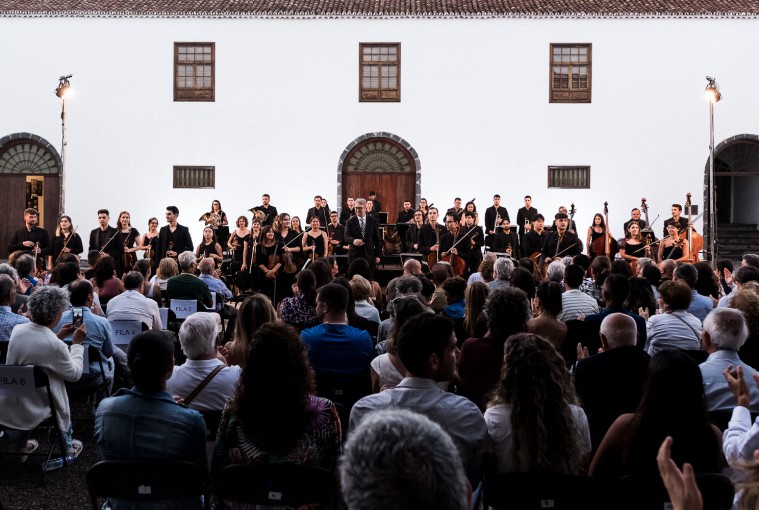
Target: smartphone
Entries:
(78, 316)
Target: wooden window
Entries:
(380, 72)
(194, 71)
(569, 177)
(194, 177)
(570, 73)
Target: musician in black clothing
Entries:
(525, 216)
(506, 241)
(100, 238)
(475, 239)
(317, 211)
(562, 242)
(335, 234)
(456, 210)
(28, 236)
(677, 211)
(173, 238)
(453, 240)
(371, 211)
(491, 214)
(347, 212)
(406, 215)
(412, 234)
(533, 241)
(269, 211)
(376, 204)
(429, 233)
(572, 226)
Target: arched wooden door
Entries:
(29, 177)
(383, 163)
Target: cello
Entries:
(606, 245)
(456, 261)
(695, 240)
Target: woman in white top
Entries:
(673, 327)
(536, 430)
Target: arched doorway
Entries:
(381, 162)
(30, 170)
(736, 183)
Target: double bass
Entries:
(605, 245)
(695, 240)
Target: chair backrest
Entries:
(124, 331)
(644, 492)
(21, 380)
(344, 389)
(147, 480)
(164, 313)
(291, 485)
(544, 490)
(183, 308)
(3, 350)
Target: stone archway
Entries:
(381, 162)
(736, 179)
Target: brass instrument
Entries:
(212, 219)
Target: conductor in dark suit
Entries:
(366, 245)
(173, 238)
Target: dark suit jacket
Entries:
(428, 238)
(569, 247)
(372, 247)
(270, 213)
(113, 249)
(37, 235)
(490, 214)
(321, 213)
(181, 238)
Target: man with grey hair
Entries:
(555, 273)
(132, 305)
(724, 332)
(405, 285)
(8, 319)
(412, 461)
(411, 267)
(187, 285)
(502, 270)
(197, 336)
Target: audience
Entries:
(616, 288)
(573, 301)
(700, 306)
(132, 305)
(299, 311)
(8, 319)
(105, 282)
(747, 301)
(547, 306)
(254, 312)
(361, 291)
(674, 327)
(475, 323)
(502, 269)
(439, 275)
(186, 285)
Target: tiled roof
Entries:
(381, 8)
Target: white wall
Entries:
(474, 106)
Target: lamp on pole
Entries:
(712, 95)
(62, 91)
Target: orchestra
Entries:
(267, 256)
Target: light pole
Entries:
(712, 95)
(62, 90)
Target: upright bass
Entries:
(606, 245)
(695, 240)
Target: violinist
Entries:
(406, 215)
(673, 247)
(596, 231)
(506, 241)
(315, 242)
(452, 242)
(208, 247)
(475, 239)
(126, 240)
(562, 243)
(634, 246)
(335, 235)
(347, 212)
(149, 242)
(269, 260)
(494, 215)
(682, 223)
(236, 242)
(287, 237)
(429, 233)
(412, 234)
(66, 240)
(535, 238)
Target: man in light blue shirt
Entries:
(700, 306)
(724, 332)
(8, 319)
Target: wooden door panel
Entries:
(13, 195)
(392, 189)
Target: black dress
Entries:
(318, 243)
(125, 240)
(73, 242)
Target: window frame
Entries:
(565, 168)
(177, 168)
(363, 92)
(580, 95)
(194, 94)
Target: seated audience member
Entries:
(475, 324)
(481, 359)
(667, 268)
(555, 272)
(197, 336)
(548, 307)
(673, 404)
(254, 312)
(743, 275)
(536, 430)
(187, 285)
(8, 319)
(324, 271)
(641, 297)
(64, 273)
(700, 306)
(334, 346)
(600, 268)
(99, 335)
(523, 279)
(485, 270)
(724, 333)
(454, 289)
(132, 305)
(439, 273)
(674, 327)
(274, 416)
(299, 311)
(105, 282)
(411, 267)
(208, 275)
(361, 290)
(405, 285)
(143, 267)
(145, 422)
(34, 343)
(427, 348)
(387, 369)
(413, 462)
(502, 269)
(27, 271)
(167, 268)
(707, 282)
(20, 285)
(741, 437)
(747, 301)
(574, 302)
(652, 274)
(355, 319)
(361, 267)
(615, 290)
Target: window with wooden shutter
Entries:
(194, 71)
(570, 73)
(569, 177)
(194, 177)
(379, 72)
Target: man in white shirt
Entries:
(741, 438)
(131, 305)
(574, 302)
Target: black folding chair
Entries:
(344, 390)
(527, 491)
(180, 483)
(291, 485)
(647, 492)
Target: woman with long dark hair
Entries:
(536, 431)
(299, 311)
(254, 312)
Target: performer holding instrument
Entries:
(208, 247)
(315, 243)
(126, 239)
(606, 244)
(149, 243)
(217, 220)
(429, 237)
(476, 240)
(494, 215)
(634, 246)
(335, 236)
(265, 212)
(562, 243)
(673, 246)
(454, 246)
(534, 239)
(66, 241)
(412, 234)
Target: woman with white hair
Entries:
(204, 370)
(362, 289)
(36, 344)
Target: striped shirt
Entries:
(575, 303)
